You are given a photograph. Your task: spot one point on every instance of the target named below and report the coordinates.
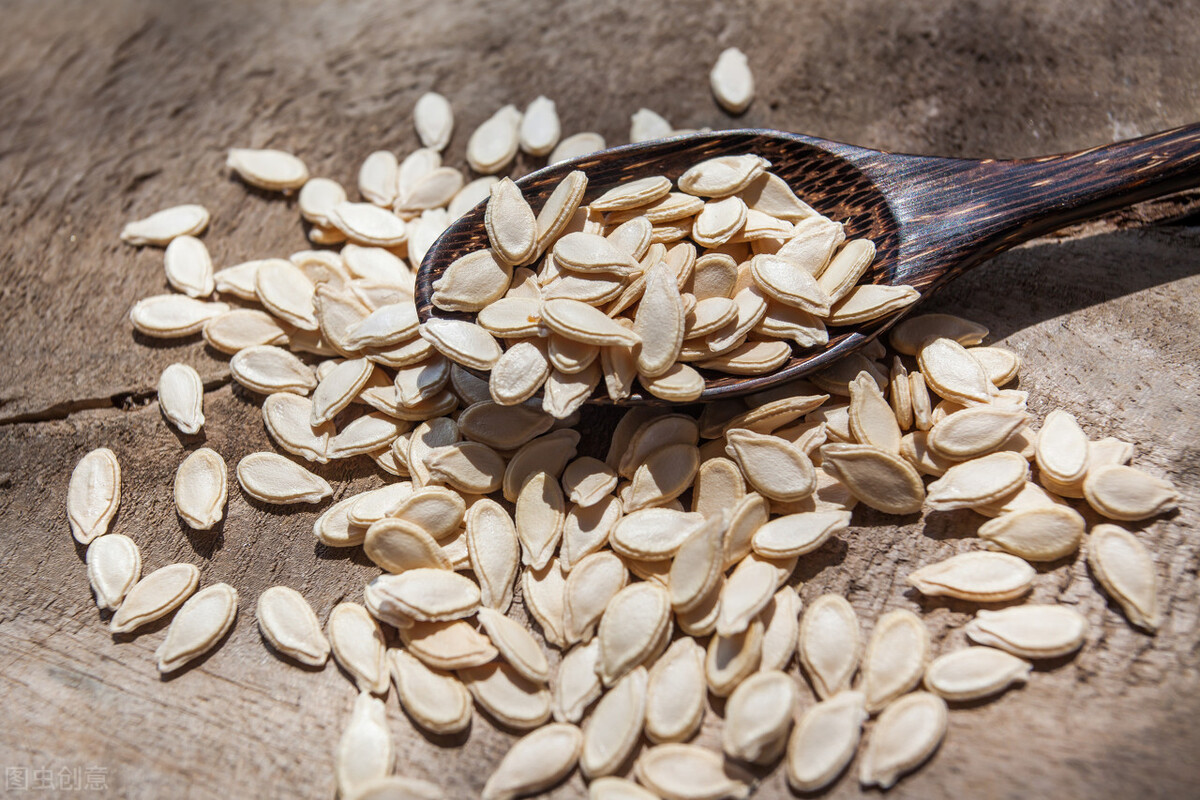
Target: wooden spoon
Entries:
(932, 219)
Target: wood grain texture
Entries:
(114, 110)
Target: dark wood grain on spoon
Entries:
(932, 219)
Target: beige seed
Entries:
(1036, 534)
(731, 659)
(428, 194)
(953, 373)
(583, 323)
(653, 533)
(268, 169)
(719, 487)
(267, 369)
(387, 325)
(494, 552)
(722, 176)
(576, 685)
(364, 752)
(575, 146)
(982, 577)
(590, 253)
(189, 267)
(872, 420)
(114, 565)
(461, 341)
(790, 284)
(338, 388)
(289, 625)
(824, 741)
(781, 629)
(516, 645)
(868, 302)
(910, 335)
(645, 125)
(535, 762)
(155, 596)
(1108, 451)
(507, 696)
(798, 534)
(377, 178)
(611, 788)
(494, 143)
(272, 478)
(540, 513)
(163, 226)
(587, 481)
(675, 694)
(559, 208)
(906, 735)
(718, 221)
(518, 374)
(435, 699)
(94, 494)
(287, 293)
(664, 476)
(238, 280)
(287, 417)
(199, 626)
(1123, 566)
(511, 226)
(358, 646)
(695, 572)
(180, 396)
(632, 194)
(747, 591)
(234, 331)
(974, 431)
(1000, 365)
(431, 594)
(690, 772)
(635, 622)
(1029, 496)
(978, 482)
(590, 586)
(771, 194)
(731, 81)
(975, 673)
(1125, 493)
(397, 545)
(170, 316)
(895, 658)
(615, 726)
(472, 282)
(1062, 448)
(447, 645)
(469, 467)
(200, 489)
(434, 120)
(921, 404)
(758, 717)
(365, 223)
(773, 466)
(549, 453)
(830, 644)
(316, 200)
(542, 590)
(1030, 631)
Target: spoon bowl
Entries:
(931, 219)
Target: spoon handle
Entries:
(961, 212)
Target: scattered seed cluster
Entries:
(654, 605)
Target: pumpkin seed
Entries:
(1123, 566)
(289, 625)
(1030, 631)
(163, 226)
(895, 658)
(199, 626)
(975, 673)
(690, 772)
(535, 762)
(200, 489)
(906, 735)
(615, 725)
(830, 644)
(365, 752)
(94, 494)
(824, 741)
(1125, 493)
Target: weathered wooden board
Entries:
(112, 110)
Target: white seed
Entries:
(471, 195)
(198, 626)
(773, 466)
(267, 369)
(590, 253)
(535, 762)
(94, 494)
(722, 176)
(907, 733)
(1036, 534)
(615, 725)
(675, 694)
(155, 596)
(461, 341)
(430, 594)
(494, 552)
(114, 565)
(974, 431)
(653, 533)
(975, 673)
(287, 293)
(494, 143)
(1030, 631)
(895, 658)
(508, 696)
(747, 591)
(172, 316)
(377, 177)
(540, 513)
(446, 645)
(981, 576)
(797, 534)
(1062, 448)
(731, 80)
(180, 396)
(1108, 451)
(586, 529)
(1125, 493)
(590, 586)
(645, 125)
(189, 267)
(358, 646)
(268, 169)
(690, 772)
(758, 717)
(272, 478)
(790, 283)
(287, 419)
(365, 751)
(575, 146)
(978, 482)
(434, 120)
(472, 282)
(771, 194)
(576, 684)
(162, 226)
(516, 645)
(910, 335)
(731, 659)
(540, 128)
(781, 629)
(200, 489)
(633, 625)
(953, 373)
(511, 226)
(867, 302)
(365, 223)
(824, 741)
(830, 644)
(611, 788)
(316, 200)
(234, 331)
(289, 625)
(436, 700)
(1123, 566)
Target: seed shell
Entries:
(199, 625)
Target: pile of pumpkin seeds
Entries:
(652, 604)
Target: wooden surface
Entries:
(109, 111)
